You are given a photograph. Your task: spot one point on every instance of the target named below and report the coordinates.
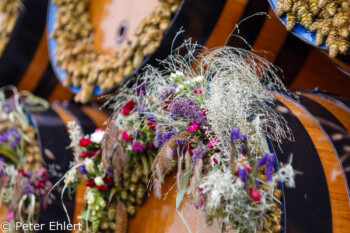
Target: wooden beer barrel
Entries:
(23, 42)
(319, 203)
(303, 66)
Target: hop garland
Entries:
(9, 10)
(84, 65)
(330, 19)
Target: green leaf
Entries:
(9, 153)
(180, 196)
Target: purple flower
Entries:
(9, 105)
(243, 137)
(150, 117)
(141, 89)
(110, 171)
(162, 137)
(2, 165)
(180, 142)
(27, 187)
(82, 169)
(12, 137)
(234, 134)
(242, 149)
(168, 91)
(137, 146)
(242, 173)
(168, 134)
(137, 133)
(199, 152)
(267, 159)
(188, 109)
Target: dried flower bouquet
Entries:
(212, 115)
(24, 181)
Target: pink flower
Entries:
(192, 126)
(254, 193)
(198, 91)
(213, 142)
(126, 136)
(10, 216)
(137, 146)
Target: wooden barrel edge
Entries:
(340, 112)
(338, 190)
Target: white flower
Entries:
(198, 79)
(97, 136)
(99, 181)
(89, 165)
(90, 198)
(102, 203)
(176, 74)
(71, 176)
(179, 87)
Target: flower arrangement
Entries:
(115, 166)
(212, 114)
(85, 66)
(9, 10)
(24, 181)
(329, 19)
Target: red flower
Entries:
(128, 107)
(87, 154)
(90, 183)
(22, 172)
(108, 180)
(254, 193)
(166, 105)
(125, 136)
(151, 124)
(84, 142)
(204, 111)
(149, 145)
(102, 188)
(198, 91)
